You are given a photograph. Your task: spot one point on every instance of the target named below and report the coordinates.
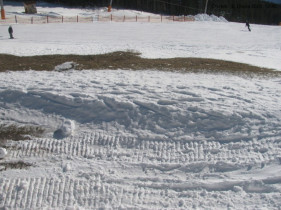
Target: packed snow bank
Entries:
(177, 106)
(206, 17)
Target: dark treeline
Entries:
(256, 11)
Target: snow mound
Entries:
(205, 17)
(3, 152)
(113, 100)
(66, 66)
(67, 167)
(66, 130)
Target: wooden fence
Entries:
(83, 19)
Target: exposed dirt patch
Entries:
(14, 165)
(16, 133)
(128, 60)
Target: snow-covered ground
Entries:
(143, 139)
(203, 39)
(43, 8)
(219, 40)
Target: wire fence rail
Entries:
(96, 18)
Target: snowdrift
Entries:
(206, 17)
(149, 108)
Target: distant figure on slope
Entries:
(248, 25)
(10, 29)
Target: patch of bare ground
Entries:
(14, 165)
(131, 61)
(17, 133)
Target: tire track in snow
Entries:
(97, 192)
(36, 192)
(101, 191)
(129, 149)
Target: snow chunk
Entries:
(67, 167)
(3, 152)
(237, 189)
(66, 130)
(66, 66)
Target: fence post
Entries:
(124, 19)
(47, 19)
(62, 19)
(16, 20)
(136, 18)
(148, 18)
(77, 18)
(2, 11)
(173, 18)
(111, 17)
(31, 20)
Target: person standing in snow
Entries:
(248, 25)
(10, 30)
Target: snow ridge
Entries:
(176, 112)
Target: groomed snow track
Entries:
(189, 170)
(107, 147)
(67, 192)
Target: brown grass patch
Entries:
(16, 133)
(14, 165)
(128, 60)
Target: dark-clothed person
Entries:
(10, 30)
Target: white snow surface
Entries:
(117, 139)
(143, 139)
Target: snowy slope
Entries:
(143, 139)
(43, 8)
(203, 39)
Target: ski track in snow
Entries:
(144, 139)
